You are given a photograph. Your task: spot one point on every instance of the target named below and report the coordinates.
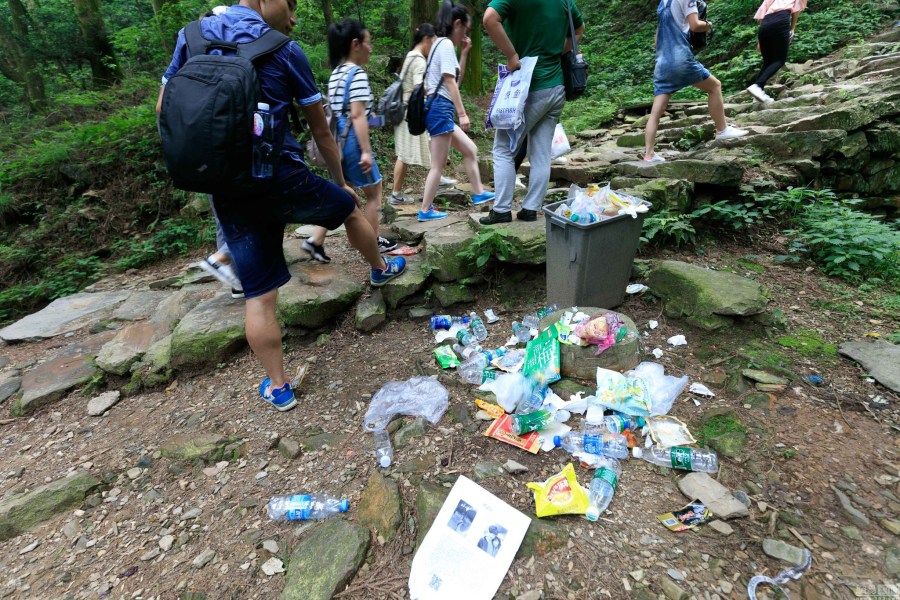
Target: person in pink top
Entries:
(777, 21)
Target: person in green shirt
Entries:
(530, 28)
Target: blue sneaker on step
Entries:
(395, 267)
(431, 214)
(282, 398)
(482, 198)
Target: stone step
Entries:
(316, 294)
(801, 144)
(527, 241)
(64, 315)
(725, 173)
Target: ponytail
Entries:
(425, 30)
(340, 38)
(447, 15)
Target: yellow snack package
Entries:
(495, 411)
(559, 495)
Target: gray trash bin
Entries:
(590, 264)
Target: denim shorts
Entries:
(350, 160)
(254, 226)
(439, 119)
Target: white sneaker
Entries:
(758, 93)
(560, 160)
(447, 181)
(656, 158)
(730, 133)
(519, 184)
(222, 272)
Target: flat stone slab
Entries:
(527, 239)
(879, 357)
(370, 311)
(23, 512)
(325, 560)
(408, 284)
(442, 248)
(412, 231)
(140, 305)
(380, 506)
(783, 551)
(793, 144)
(205, 447)
(129, 346)
(51, 379)
(580, 361)
(64, 315)
(316, 294)
(723, 173)
(211, 331)
(713, 494)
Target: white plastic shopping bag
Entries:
(560, 142)
(507, 109)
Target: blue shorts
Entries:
(677, 72)
(439, 119)
(350, 160)
(254, 226)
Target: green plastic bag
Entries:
(542, 358)
(446, 357)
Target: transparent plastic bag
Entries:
(416, 397)
(510, 389)
(663, 388)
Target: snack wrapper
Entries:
(493, 410)
(561, 494)
(668, 431)
(687, 517)
(446, 357)
(627, 395)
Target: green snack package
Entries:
(542, 357)
(446, 357)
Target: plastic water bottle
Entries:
(547, 310)
(478, 327)
(476, 376)
(446, 321)
(616, 424)
(603, 486)
(384, 452)
(680, 457)
(465, 352)
(522, 333)
(466, 338)
(302, 507)
(607, 444)
(531, 322)
(533, 421)
(533, 401)
(263, 142)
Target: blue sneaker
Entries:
(431, 214)
(482, 198)
(283, 398)
(395, 266)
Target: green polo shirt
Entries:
(538, 28)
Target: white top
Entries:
(359, 89)
(680, 11)
(443, 62)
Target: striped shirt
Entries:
(359, 89)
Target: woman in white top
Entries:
(777, 21)
(411, 149)
(351, 101)
(442, 77)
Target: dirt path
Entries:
(800, 443)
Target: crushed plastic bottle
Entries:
(531, 321)
(465, 352)
(478, 328)
(533, 421)
(606, 444)
(521, 331)
(547, 310)
(680, 457)
(384, 452)
(476, 376)
(533, 401)
(619, 423)
(447, 321)
(603, 486)
(303, 507)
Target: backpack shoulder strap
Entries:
(269, 42)
(193, 38)
(428, 64)
(348, 81)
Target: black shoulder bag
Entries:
(573, 65)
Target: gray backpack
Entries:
(391, 106)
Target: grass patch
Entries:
(808, 343)
(717, 426)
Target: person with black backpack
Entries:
(677, 68)
(210, 56)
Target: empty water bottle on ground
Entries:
(465, 352)
(302, 507)
(547, 310)
(447, 321)
(476, 376)
(603, 486)
(531, 322)
(466, 338)
(384, 452)
(533, 421)
(619, 423)
(606, 444)
(522, 333)
(263, 142)
(478, 327)
(680, 457)
(533, 401)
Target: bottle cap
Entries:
(345, 505)
(385, 461)
(262, 106)
(592, 513)
(637, 452)
(557, 441)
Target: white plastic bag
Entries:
(510, 389)
(663, 388)
(507, 109)
(560, 142)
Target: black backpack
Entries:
(206, 119)
(416, 109)
(391, 105)
(699, 39)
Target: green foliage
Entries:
(664, 227)
(808, 343)
(691, 138)
(487, 244)
(173, 237)
(733, 215)
(719, 425)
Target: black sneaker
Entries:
(526, 215)
(386, 245)
(237, 293)
(315, 251)
(495, 217)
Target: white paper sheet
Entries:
(469, 548)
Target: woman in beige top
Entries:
(411, 149)
(777, 21)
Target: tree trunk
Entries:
(327, 13)
(15, 42)
(104, 69)
(473, 83)
(421, 11)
